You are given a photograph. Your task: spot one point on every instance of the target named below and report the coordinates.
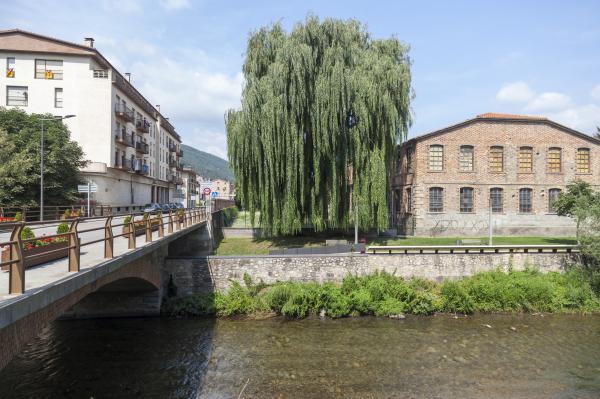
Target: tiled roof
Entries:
(493, 115)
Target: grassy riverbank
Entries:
(383, 294)
(249, 246)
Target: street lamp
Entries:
(56, 118)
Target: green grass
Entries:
(383, 294)
(243, 220)
(248, 246)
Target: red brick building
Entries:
(447, 182)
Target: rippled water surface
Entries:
(419, 357)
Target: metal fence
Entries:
(465, 249)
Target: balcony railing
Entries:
(124, 164)
(142, 147)
(143, 170)
(142, 125)
(179, 152)
(124, 138)
(172, 162)
(173, 148)
(124, 113)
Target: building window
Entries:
(496, 159)
(554, 160)
(436, 199)
(410, 152)
(583, 160)
(436, 157)
(49, 69)
(525, 160)
(465, 158)
(466, 199)
(101, 73)
(58, 97)
(17, 96)
(525, 200)
(10, 67)
(553, 194)
(497, 200)
(408, 200)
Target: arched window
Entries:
(497, 199)
(466, 199)
(553, 194)
(496, 159)
(554, 160)
(436, 157)
(525, 160)
(525, 200)
(436, 199)
(583, 160)
(465, 158)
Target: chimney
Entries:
(89, 41)
(128, 76)
(158, 107)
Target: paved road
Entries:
(91, 255)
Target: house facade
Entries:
(496, 168)
(133, 150)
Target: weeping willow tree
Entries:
(323, 108)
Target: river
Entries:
(484, 356)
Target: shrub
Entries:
(27, 233)
(62, 228)
(456, 299)
(18, 217)
(235, 301)
(127, 219)
(390, 306)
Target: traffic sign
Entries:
(83, 188)
(206, 190)
(215, 194)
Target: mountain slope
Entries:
(205, 164)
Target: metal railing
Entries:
(466, 249)
(146, 225)
(124, 138)
(124, 113)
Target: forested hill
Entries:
(207, 165)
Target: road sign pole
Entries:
(89, 189)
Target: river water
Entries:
(485, 356)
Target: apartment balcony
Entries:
(172, 162)
(124, 138)
(142, 147)
(173, 148)
(124, 164)
(124, 113)
(179, 152)
(142, 125)
(178, 180)
(179, 167)
(143, 170)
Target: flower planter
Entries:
(140, 230)
(30, 262)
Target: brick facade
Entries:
(414, 177)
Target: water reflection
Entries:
(424, 357)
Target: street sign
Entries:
(83, 188)
(206, 190)
(215, 194)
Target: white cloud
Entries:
(517, 92)
(595, 93)
(584, 118)
(175, 4)
(550, 101)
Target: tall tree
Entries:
(597, 135)
(323, 108)
(20, 160)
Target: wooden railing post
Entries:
(74, 249)
(170, 222)
(131, 236)
(179, 221)
(16, 280)
(185, 219)
(148, 229)
(108, 239)
(161, 228)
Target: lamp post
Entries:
(56, 118)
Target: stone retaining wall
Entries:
(215, 273)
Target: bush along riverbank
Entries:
(383, 294)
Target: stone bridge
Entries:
(130, 283)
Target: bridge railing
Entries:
(465, 249)
(16, 258)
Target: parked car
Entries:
(152, 208)
(172, 206)
(165, 207)
(179, 205)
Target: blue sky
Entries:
(531, 57)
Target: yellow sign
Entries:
(49, 75)
(10, 73)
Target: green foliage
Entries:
(292, 146)
(127, 219)
(27, 233)
(20, 160)
(62, 228)
(206, 165)
(383, 294)
(18, 217)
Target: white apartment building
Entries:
(189, 188)
(134, 152)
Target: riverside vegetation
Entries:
(383, 294)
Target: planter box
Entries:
(29, 262)
(140, 230)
